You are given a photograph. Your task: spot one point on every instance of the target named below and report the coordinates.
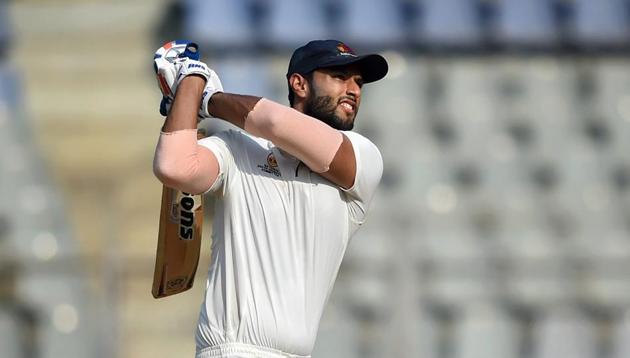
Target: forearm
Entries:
(232, 108)
(179, 161)
(302, 136)
(183, 114)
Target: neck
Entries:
(298, 106)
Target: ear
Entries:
(299, 85)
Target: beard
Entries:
(323, 108)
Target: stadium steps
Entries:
(91, 96)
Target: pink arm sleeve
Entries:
(182, 164)
(306, 138)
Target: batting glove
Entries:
(164, 64)
(186, 68)
(172, 63)
(213, 85)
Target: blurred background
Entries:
(501, 227)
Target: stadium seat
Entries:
(564, 332)
(484, 330)
(620, 342)
(525, 24)
(5, 30)
(11, 88)
(604, 253)
(292, 23)
(10, 338)
(221, 24)
(611, 101)
(448, 24)
(601, 23)
(371, 248)
(406, 75)
(466, 99)
(371, 23)
(538, 274)
(451, 246)
(244, 75)
(338, 333)
(460, 270)
(427, 337)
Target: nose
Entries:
(353, 88)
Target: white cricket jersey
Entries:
(279, 234)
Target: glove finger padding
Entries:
(166, 73)
(165, 62)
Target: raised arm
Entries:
(183, 164)
(179, 161)
(322, 148)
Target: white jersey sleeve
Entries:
(369, 171)
(217, 144)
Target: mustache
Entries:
(351, 98)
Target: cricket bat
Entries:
(181, 214)
(179, 242)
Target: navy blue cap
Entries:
(329, 53)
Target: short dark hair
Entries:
(308, 76)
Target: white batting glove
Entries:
(213, 85)
(172, 75)
(187, 67)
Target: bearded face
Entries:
(334, 96)
(324, 108)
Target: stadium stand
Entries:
(486, 331)
(525, 24)
(10, 335)
(564, 332)
(47, 307)
(447, 24)
(621, 345)
(501, 226)
(371, 23)
(600, 24)
(5, 30)
(219, 24)
(292, 23)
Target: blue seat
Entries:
(218, 23)
(600, 23)
(528, 23)
(447, 23)
(292, 23)
(244, 75)
(371, 23)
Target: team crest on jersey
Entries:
(271, 166)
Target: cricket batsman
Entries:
(291, 189)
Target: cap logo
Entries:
(344, 50)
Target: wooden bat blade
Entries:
(179, 242)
